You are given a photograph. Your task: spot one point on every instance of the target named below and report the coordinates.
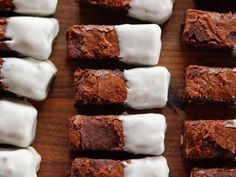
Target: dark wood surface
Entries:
(51, 140)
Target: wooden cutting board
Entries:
(51, 140)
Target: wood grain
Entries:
(51, 140)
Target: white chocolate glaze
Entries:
(27, 77)
(231, 124)
(146, 167)
(36, 7)
(157, 11)
(144, 133)
(147, 87)
(19, 162)
(139, 44)
(32, 36)
(17, 123)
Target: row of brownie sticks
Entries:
(28, 74)
(146, 88)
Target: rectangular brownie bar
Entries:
(138, 134)
(14, 39)
(213, 172)
(203, 29)
(152, 166)
(140, 88)
(207, 84)
(209, 139)
(33, 7)
(153, 11)
(119, 42)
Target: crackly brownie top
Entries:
(96, 133)
(97, 87)
(93, 42)
(114, 4)
(210, 84)
(213, 172)
(202, 28)
(93, 168)
(209, 139)
(7, 5)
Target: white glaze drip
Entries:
(147, 87)
(157, 11)
(144, 133)
(32, 36)
(17, 123)
(139, 44)
(27, 77)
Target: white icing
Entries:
(139, 44)
(147, 87)
(19, 162)
(144, 133)
(232, 125)
(27, 77)
(157, 11)
(147, 167)
(17, 123)
(32, 36)
(36, 7)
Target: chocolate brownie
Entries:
(213, 172)
(122, 5)
(83, 167)
(96, 133)
(92, 42)
(209, 139)
(206, 84)
(7, 6)
(203, 29)
(98, 87)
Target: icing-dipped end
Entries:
(150, 166)
(18, 121)
(11, 162)
(144, 133)
(32, 36)
(36, 7)
(28, 77)
(147, 87)
(139, 44)
(151, 10)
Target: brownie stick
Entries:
(147, 10)
(203, 29)
(140, 88)
(209, 84)
(138, 134)
(26, 77)
(146, 167)
(213, 172)
(132, 44)
(33, 7)
(28, 36)
(209, 139)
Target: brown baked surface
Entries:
(99, 87)
(214, 172)
(82, 167)
(209, 139)
(205, 84)
(101, 133)
(110, 4)
(92, 42)
(3, 27)
(7, 6)
(203, 29)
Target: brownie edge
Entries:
(213, 172)
(82, 167)
(100, 133)
(100, 87)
